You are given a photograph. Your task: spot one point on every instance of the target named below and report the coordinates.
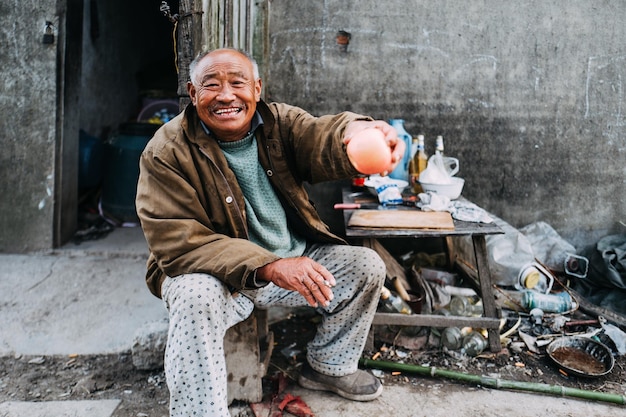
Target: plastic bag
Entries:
(605, 284)
(439, 170)
(548, 246)
(508, 254)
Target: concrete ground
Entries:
(91, 298)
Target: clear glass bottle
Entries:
(392, 303)
(466, 306)
(439, 145)
(473, 343)
(437, 331)
(452, 337)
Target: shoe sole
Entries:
(317, 386)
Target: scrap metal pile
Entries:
(540, 306)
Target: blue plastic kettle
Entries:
(401, 172)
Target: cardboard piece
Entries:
(402, 219)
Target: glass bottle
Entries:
(466, 306)
(413, 169)
(438, 331)
(392, 303)
(422, 156)
(439, 145)
(452, 337)
(473, 343)
(418, 163)
(401, 172)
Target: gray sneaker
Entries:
(359, 386)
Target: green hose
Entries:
(495, 382)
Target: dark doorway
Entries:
(128, 62)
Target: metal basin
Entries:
(581, 356)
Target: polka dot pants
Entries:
(201, 309)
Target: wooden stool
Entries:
(248, 348)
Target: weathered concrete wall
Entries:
(49, 92)
(27, 125)
(528, 95)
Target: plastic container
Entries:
(549, 303)
(439, 276)
(121, 170)
(401, 172)
(158, 111)
(535, 277)
(89, 160)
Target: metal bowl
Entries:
(581, 356)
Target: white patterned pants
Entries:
(201, 309)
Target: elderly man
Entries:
(230, 226)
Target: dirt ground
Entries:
(145, 393)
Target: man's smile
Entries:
(229, 111)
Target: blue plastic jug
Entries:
(401, 172)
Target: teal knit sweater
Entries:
(267, 222)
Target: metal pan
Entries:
(581, 356)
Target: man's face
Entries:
(225, 93)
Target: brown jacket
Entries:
(192, 210)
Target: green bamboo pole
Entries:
(495, 382)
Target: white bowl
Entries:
(451, 190)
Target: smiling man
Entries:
(229, 226)
(225, 92)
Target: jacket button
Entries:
(269, 172)
(229, 199)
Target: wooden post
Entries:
(189, 43)
(486, 290)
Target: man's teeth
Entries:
(228, 111)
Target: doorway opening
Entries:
(128, 88)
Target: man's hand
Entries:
(301, 274)
(396, 145)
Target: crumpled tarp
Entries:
(605, 284)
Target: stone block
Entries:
(148, 346)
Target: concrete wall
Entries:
(28, 83)
(528, 94)
(50, 91)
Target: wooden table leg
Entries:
(486, 291)
(450, 251)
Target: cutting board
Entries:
(402, 219)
